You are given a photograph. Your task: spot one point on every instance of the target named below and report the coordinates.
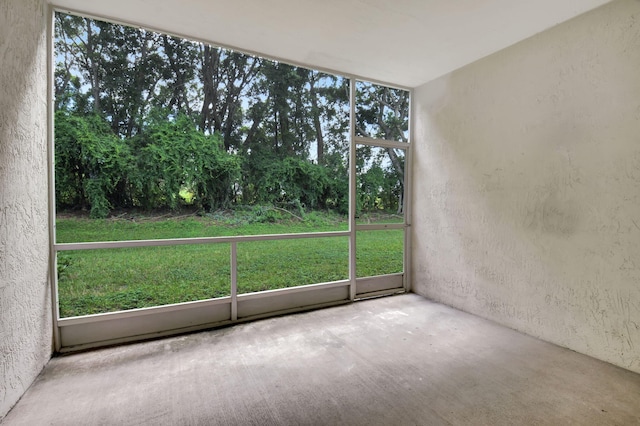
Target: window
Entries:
(200, 180)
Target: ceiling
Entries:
(402, 42)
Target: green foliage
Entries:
(290, 181)
(370, 185)
(379, 189)
(338, 193)
(90, 162)
(100, 281)
(241, 220)
(62, 263)
(146, 120)
(175, 156)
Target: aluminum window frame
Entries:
(82, 332)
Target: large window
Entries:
(186, 172)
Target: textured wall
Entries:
(25, 307)
(527, 186)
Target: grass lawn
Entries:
(108, 280)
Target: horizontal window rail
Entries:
(196, 240)
(381, 142)
(379, 226)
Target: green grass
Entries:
(71, 229)
(108, 280)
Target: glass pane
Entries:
(380, 184)
(269, 265)
(379, 252)
(108, 280)
(382, 112)
(165, 137)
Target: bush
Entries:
(90, 162)
(286, 182)
(175, 156)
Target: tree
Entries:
(77, 42)
(178, 90)
(225, 126)
(383, 113)
(226, 77)
(90, 162)
(175, 156)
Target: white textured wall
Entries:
(25, 307)
(527, 186)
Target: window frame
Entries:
(78, 333)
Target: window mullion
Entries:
(352, 188)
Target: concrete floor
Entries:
(399, 360)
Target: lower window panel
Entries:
(272, 265)
(379, 252)
(110, 280)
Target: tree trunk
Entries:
(93, 68)
(210, 66)
(315, 110)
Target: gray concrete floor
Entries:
(399, 360)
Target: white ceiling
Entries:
(402, 42)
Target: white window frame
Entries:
(79, 333)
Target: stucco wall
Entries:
(25, 307)
(527, 186)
